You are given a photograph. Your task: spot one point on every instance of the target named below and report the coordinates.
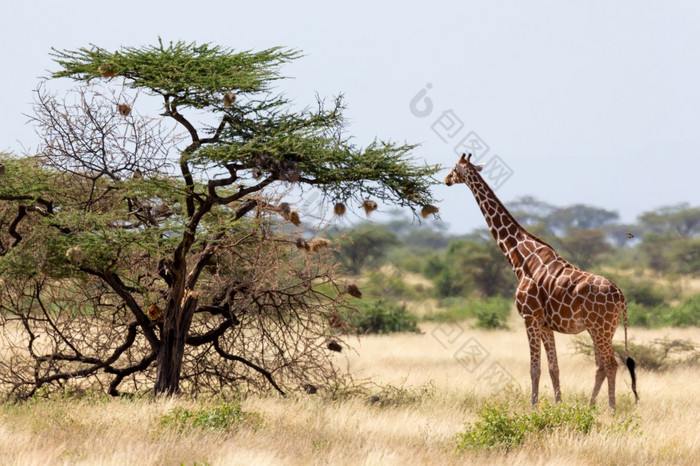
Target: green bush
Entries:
(453, 309)
(491, 313)
(394, 286)
(227, 416)
(501, 428)
(645, 293)
(382, 316)
(685, 314)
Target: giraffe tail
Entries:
(631, 364)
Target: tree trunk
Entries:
(172, 349)
(170, 363)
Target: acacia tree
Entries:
(178, 252)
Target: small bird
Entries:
(629, 235)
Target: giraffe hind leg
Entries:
(599, 374)
(607, 367)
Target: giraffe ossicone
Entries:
(552, 295)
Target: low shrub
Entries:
(391, 396)
(659, 355)
(227, 416)
(490, 313)
(382, 316)
(499, 427)
(394, 286)
(493, 313)
(685, 314)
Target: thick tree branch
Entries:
(40, 200)
(231, 357)
(217, 134)
(210, 248)
(121, 289)
(241, 193)
(122, 373)
(211, 335)
(21, 212)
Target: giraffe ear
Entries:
(479, 167)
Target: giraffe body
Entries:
(552, 294)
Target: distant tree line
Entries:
(664, 241)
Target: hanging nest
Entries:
(284, 208)
(369, 206)
(429, 209)
(336, 321)
(302, 244)
(154, 313)
(289, 171)
(339, 209)
(75, 254)
(353, 290)
(310, 389)
(294, 218)
(317, 244)
(229, 99)
(334, 346)
(124, 109)
(107, 71)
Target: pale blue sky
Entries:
(586, 102)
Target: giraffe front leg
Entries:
(551, 349)
(535, 340)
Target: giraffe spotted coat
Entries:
(552, 294)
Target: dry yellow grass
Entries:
(437, 395)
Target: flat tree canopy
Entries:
(152, 251)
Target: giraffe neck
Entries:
(516, 243)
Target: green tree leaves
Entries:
(189, 74)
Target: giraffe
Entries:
(552, 294)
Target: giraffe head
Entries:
(459, 172)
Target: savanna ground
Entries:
(424, 398)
